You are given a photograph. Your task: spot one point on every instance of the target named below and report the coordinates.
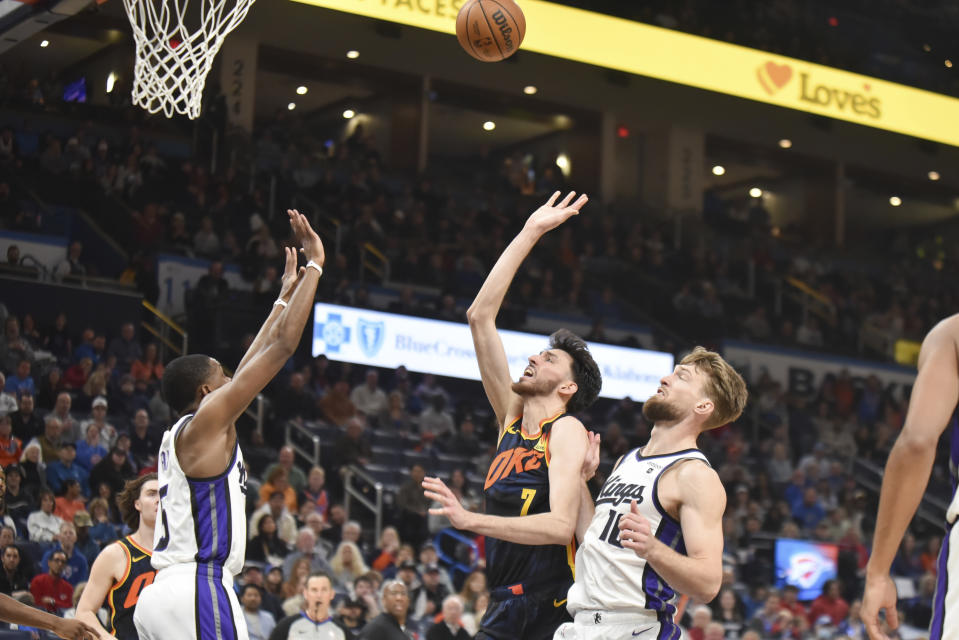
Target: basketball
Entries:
(490, 30)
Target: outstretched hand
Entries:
(450, 506)
(74, 629)
(551, 215)
(311, 244)
(291, 275)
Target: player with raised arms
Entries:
(932, 409)
(534, 483)
(123, 569)
(656, 528)
(200, 538)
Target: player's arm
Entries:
(567, 445)
(19, 613)
(493, 365)
(221, 408)
(698, 573)
(934, 398)
(291, 278)
(103, 576)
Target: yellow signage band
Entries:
(655, 52)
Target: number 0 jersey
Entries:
(610, 577)
(517, 484)
(123, 596)
(201, 520)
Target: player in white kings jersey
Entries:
(656, 528)
(200, 538)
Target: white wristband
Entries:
(280, 302)
(312, 265)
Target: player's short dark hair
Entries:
(181, 379)
(129, 495)
(586, 373)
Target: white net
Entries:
(175, 47)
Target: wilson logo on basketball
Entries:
(513, 461)
(773, 77)
(503, 24)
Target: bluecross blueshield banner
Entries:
(446, 349)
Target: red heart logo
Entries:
(779, 73)
(774, 77)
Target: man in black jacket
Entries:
(451, 625)
(391, 624)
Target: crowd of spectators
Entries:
(69, 440)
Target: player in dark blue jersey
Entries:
(123, 568)
(533, 488)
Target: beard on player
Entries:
(659, 409)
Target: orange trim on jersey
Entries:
(117, 585)
(506, 429)
(130, 539)
(571, 556)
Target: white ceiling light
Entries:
(530, 90)
(933, 175)
(111, 81)
(562, 161)
(719, 170)
(489, 125)
(756, 192)
(45, 43)
(895, 201)
(785, 143)
(291, 106)
(301, 90)
(348, 114)
(352, 54)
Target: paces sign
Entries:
(858, 101)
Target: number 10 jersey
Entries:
(610, 577)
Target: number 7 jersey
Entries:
(610, 577)
(201, 520)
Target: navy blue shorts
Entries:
(527, 615)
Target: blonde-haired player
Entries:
(655, 530)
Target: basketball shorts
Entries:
(515, 613)
(613, 625)
(190, 602)
(945, 601)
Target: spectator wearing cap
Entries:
(259, 623)
(428, 556)
(71, 501)
(49, 590)
(450, 625)
(26, 423)
(11, 448)
(89, 450)
(428, 599)
(16, 573)
(86, 545)
(59, 471)
(350, 617)
(98, 416)
(18, 500)
(76, 569)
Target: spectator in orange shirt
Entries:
(71, 501)
(148, 368)
(278, 481)
(10, 446)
